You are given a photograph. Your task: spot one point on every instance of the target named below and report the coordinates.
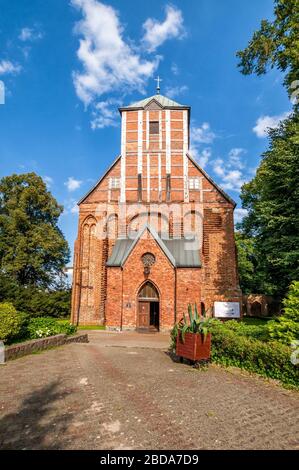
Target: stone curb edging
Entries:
(28, 347)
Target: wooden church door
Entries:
(144, 314)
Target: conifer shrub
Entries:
(285, 328)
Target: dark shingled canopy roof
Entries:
(183, 252)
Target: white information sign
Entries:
(227, 309)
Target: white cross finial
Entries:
(158, 80)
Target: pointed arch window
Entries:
(148, 291)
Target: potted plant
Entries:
(193, 337)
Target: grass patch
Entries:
(255, 321)
(91, 327)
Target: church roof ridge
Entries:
(99, 180)
(156, 237)
(162, 100)
(176, 250)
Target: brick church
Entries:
(155, 232)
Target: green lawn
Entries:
(85, 327)
(91, 327)
(250, 327)
(255, 321)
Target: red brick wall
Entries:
(161, 275)
(188, 289)
(114, 297)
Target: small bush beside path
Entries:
(17, 326)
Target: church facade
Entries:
(156, 232)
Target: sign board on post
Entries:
(227, 309)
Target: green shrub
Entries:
(270, 359)
(251, 331)
(286, 327)
(12, 323)
(42, 327)
(291, 302)
(64, 326)
(284, 330)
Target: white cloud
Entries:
(235, 157)
(70, 207)
(202, 134)
(233, 180)
(175, 69)
(108, 62)
(75, 208)
(172, 92)
(230, 170)
(72, 184)
(104, 114)
(202, 157)
(8, 67)
(265, 122)
(48, 180)
(239, 214)
(30, 34)
(158, 32)
(218, 167)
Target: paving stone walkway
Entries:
(122, 391)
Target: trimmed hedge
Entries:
(269, 359)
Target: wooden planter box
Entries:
(195, 347)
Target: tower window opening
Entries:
(194, 183)
(154, 127)
(114, 183)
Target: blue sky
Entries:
(60, 114)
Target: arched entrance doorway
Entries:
(148, 308)
(256, 309)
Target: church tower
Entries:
(156, 232)
(154, 146)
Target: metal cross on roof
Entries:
(158, 80)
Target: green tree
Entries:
(33, 250)
(291, 302)
(272, 201)
(246, 263)
(275, 44)
(286, 327)
(272, 196)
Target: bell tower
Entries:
(154, 147)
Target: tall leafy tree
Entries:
(247, 263)
(272, 201)
(33, 250)
(275, 44)
(272, 196)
